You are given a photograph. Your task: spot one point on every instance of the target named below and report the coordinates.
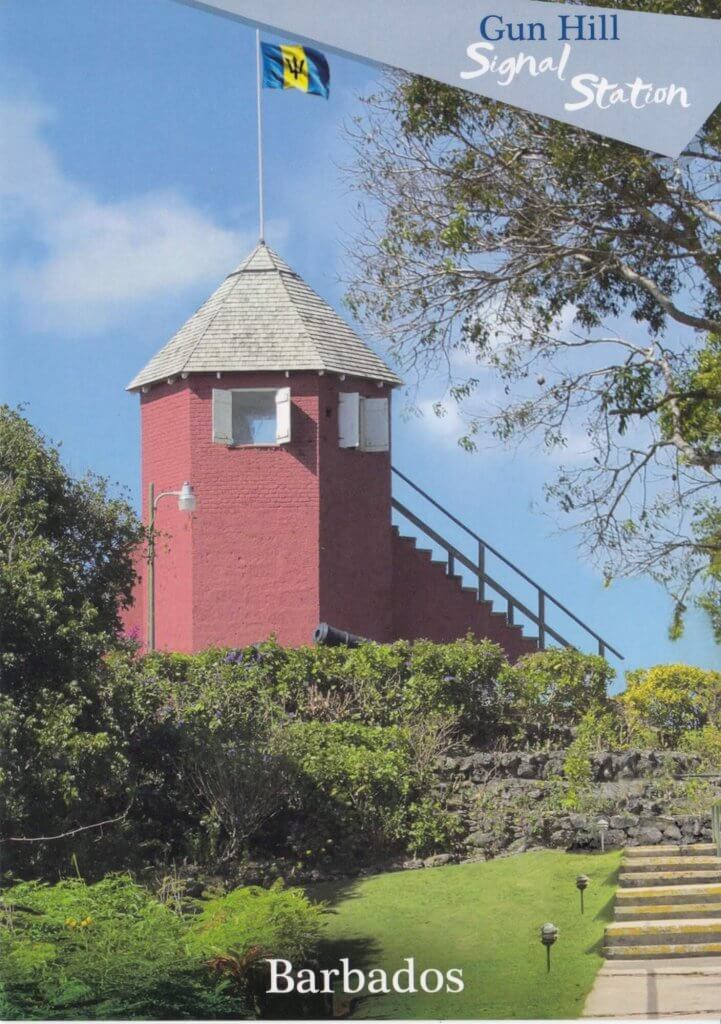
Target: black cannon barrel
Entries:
(328, 636)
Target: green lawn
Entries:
(485, 919)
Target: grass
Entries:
(484, 918)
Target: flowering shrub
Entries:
(670, 700)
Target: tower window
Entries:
(363, 423)
(251, 417)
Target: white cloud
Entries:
(446, 428)
(81, 264)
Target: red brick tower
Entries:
(278, 415)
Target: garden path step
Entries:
(662, 951)
(628, 879)
(693, 850)
(668, 905)
(710, 893)
(666, 911)
(663, 933)
(673, 862)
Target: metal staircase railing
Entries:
(455, 557)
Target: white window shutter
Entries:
(222, 417)
(282, 421)
(348, 420)
(375, 426)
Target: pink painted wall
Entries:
(255, 558)
(356, 557)
(167, 462)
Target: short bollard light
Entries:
(603, 827)
(582, 885)
(549, 934)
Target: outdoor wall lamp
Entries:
(582, 885)
(186, 503)
(549, 934)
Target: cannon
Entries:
(328, 636)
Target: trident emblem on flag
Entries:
(296, 67)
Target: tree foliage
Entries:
(65, 562)
(569, 285)
(65, 572)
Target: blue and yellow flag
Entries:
(295, 67)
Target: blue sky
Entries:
(128, 181)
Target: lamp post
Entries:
(549, 934)
(186, 503)
(603, 827)
(582, 885)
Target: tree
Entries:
(580, 279)
(66, 570)
(66, 565)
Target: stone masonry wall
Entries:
(517, 800)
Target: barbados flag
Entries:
(295, 67)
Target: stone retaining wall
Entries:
(515, 800)
(606, 766)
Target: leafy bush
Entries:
(597, 730)
(377, 684)
(549, 692)
(670, 700)
(106, 950)
(707, 743)
(361, 790)
(459, 679)
(184, 746)
(281, 922)
(113, 950)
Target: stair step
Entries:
(629, 879)
(406, 539)
(667, 931)
(635, 896)
(662, 951)
(673, 862)
(693, 850)
(667, 911)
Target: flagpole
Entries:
(259, 86)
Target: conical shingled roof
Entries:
(264, 317)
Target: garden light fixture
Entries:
(549, 934)
(186, 498)
(186, 503)
(603, 827)
(582, 885)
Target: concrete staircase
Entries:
(438, 606)
(432, 599)
(668, 904)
